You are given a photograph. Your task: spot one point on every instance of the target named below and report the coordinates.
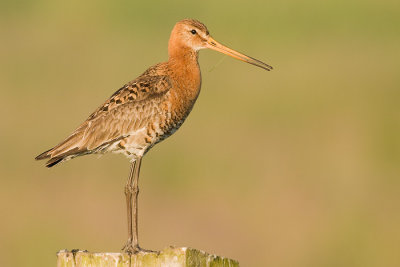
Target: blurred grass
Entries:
(296, 167)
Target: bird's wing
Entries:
(125, 112)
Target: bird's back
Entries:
(132, 120)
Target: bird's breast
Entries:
(176, 108)
(167, 114)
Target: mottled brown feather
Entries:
(127, 110)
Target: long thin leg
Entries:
(135, 202)
(131, 193)
(128, 194)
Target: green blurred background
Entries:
(294, 167)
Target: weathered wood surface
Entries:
(176, 257)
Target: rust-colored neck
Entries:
(184, 67)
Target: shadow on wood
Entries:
(168, 257)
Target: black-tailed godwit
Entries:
(145, 111)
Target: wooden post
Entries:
(171, 256)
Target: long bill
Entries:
(214, 45)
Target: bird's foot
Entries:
(131, 248)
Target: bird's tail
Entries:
(66, 150)
(52, 161)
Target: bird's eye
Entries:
(193, 32)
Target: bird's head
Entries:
(192, 35)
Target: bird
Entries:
(145, 111)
